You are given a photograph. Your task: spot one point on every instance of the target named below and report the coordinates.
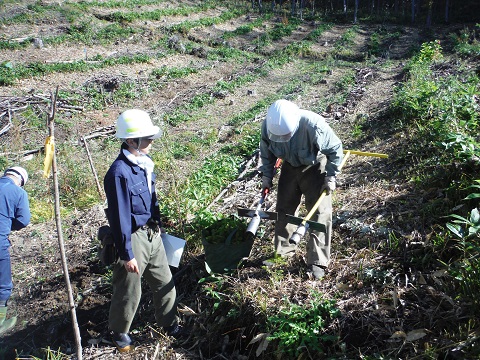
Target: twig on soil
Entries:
(237, 180)
(10, 105)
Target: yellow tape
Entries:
(363, 153)
(49, 151)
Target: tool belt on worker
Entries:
(107, 253)
(151, 227)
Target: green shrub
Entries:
(466, 268)
(303, 328)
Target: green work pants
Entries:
(127, 290)
(292, 184)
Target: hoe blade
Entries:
(311, 224)
(268, 215)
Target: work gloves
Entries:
(329, 184)
(266, 182)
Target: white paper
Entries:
(173, 248)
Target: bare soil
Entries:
(373, 200)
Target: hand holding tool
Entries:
(305, 224)
(266, 182)
(329, 184)
(253, 225)
(258, 213)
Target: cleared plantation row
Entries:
(155, 99)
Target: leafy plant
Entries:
(467, 268)
(466, 43)
(223, 228)
(300, 328)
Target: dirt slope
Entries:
(372, 201)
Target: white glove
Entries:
(266, 182)
(329, 184)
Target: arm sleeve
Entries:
(267, 158)
(331, 146)
(119, 216)
(22, 213)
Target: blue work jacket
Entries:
(130, 204)
(14, 209)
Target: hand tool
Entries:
(305, 223)
(258, 214)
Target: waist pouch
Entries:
(106, 252)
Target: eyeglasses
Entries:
(143, 139)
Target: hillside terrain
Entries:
(207, 78)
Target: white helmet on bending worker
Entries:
(283, 118)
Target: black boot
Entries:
(123, 342)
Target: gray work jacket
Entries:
(313, 138)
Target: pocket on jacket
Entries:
(140, 198)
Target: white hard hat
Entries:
(18, 172)
(283, 118)
(134, 123)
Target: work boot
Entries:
(318, 271)
(123, 342)
(5, 324)
(176, 330)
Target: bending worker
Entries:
(311, 154)
(14, 215)
(134, 217)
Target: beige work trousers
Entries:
(292, 184)
(127, 290)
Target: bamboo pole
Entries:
(92, 166)
(51, 131)
(364, 153)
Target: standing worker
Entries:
(311, 154)
(134, 217)
(14, 215)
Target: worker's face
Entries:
(141, 146)
(144, 145)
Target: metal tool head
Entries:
(311, 224)
(253, 225)
(268, 215)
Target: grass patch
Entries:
(157, 14)
(9, 73)
(185, 26)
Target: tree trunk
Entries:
(355, 12)
(447, 17)
(429, 14)
(413, 11)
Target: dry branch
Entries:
(12, 105)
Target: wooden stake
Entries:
(50, 124)
(92, 166)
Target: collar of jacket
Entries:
(135, 168)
